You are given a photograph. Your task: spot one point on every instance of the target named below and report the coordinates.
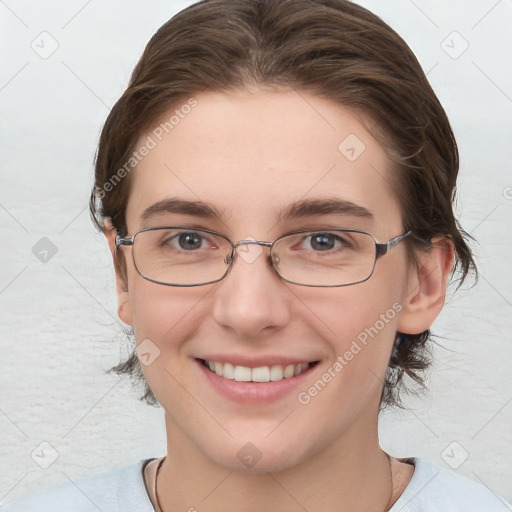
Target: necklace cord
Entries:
(155, 493)
(390, 502)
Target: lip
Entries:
(254, 362)
(253, 392)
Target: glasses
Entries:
(184, 256)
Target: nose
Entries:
(252, 298)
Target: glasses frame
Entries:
(381, 249)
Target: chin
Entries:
(258, 457)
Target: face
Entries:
(250, 155)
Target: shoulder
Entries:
(436, 489)
(120, 490)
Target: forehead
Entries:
(251, 154)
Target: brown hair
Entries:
(331, 48)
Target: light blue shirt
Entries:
(431, 489)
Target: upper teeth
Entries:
(260, 374)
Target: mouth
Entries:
(260, 374)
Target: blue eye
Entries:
(184, 240)
(321, 242)
(190, 240)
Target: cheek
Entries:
(360, 312)
(361, 322)
(163, 319)
(161, 313)
(368, 339)
(363, 326)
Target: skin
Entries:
(250, 153)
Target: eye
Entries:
(321, 242)
(185, 240)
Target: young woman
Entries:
(276, 188)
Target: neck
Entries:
(351, 474)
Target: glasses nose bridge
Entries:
(258, 242)
(234, 246)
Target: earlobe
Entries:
(124, 309)
(123, 296)
(426, 290)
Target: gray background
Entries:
(59, 328)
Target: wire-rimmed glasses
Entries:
(185, 256)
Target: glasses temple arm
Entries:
(386, 247)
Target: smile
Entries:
(271, 373)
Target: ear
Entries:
(426, 289)
(124, 310)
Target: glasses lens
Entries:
(325, 258)
(180, 256)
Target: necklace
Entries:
(390, 501)
(158, 508)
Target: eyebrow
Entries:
(185, 207)
(311, 207)
(299, 209)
